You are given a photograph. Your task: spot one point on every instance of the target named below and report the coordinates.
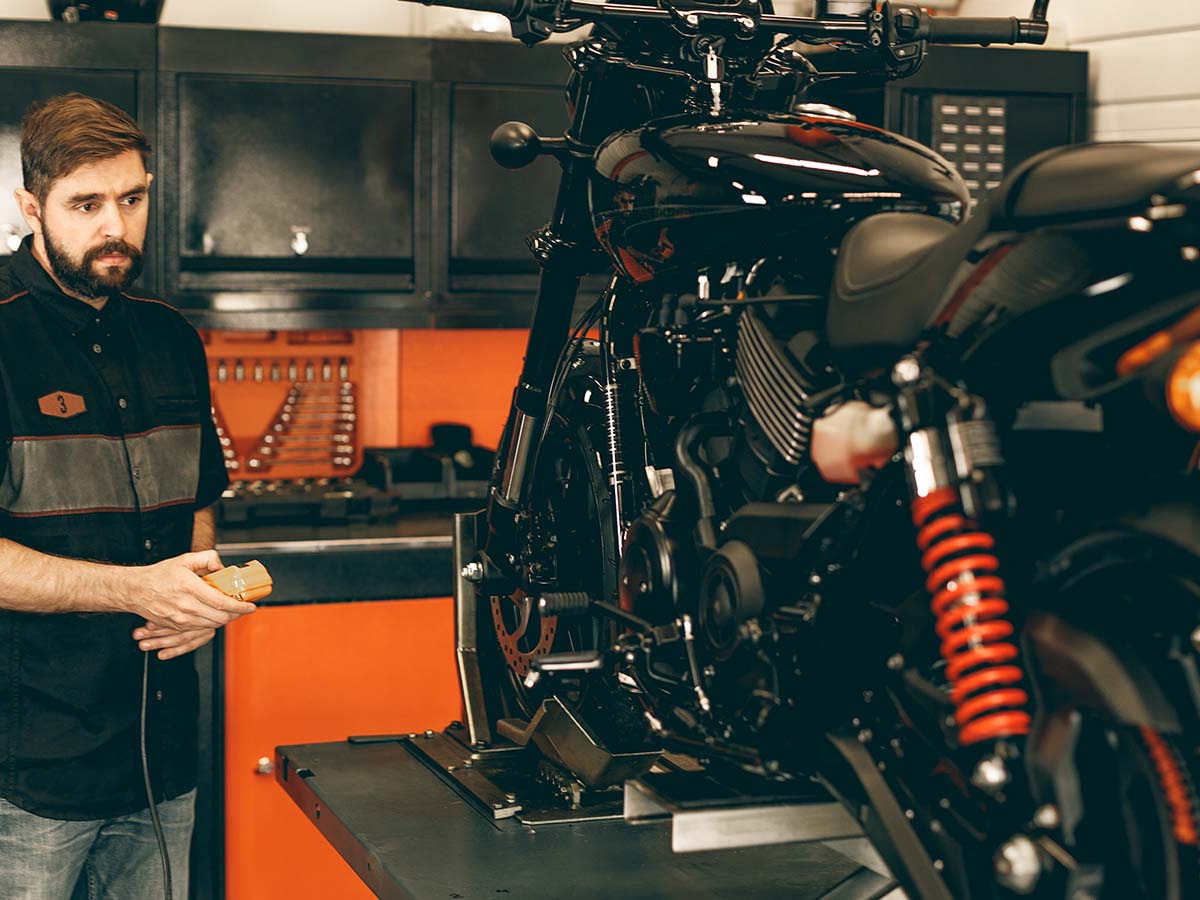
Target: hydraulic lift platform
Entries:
(411, 834)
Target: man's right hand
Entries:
(173, 595)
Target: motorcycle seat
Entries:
(894, 270)
(1085, 181)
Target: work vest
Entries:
(110, 450)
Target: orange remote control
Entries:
(249, 582)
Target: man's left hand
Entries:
(170, 643)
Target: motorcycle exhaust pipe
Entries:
(687, 445)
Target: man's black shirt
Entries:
(110, 450)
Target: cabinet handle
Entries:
(265, 766)
(300, 239)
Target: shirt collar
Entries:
(76, 314)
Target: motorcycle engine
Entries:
(780, 365)
(653, 574)
(658, 578)
(731, 596)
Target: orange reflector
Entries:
(1183, 389)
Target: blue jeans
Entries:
(110, 859)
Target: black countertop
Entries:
(407, 557)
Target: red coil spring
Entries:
(1175, 788)
(968, 600)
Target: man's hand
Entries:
(170, 643)
(172, 595)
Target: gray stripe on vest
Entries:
(77, 474)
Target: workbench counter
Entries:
(408, 557)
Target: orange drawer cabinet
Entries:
(313, 673)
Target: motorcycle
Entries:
(841, 481)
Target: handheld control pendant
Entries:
(249, 582)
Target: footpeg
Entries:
(564, 604)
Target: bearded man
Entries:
(112, 464)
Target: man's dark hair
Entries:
(63, 133)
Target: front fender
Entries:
(1097, 675)
(1176, 522)
(1112, 617)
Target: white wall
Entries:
(386, 17)
(1145, 83)
(23, 9)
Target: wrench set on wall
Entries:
(285, 403)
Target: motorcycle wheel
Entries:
(571, 543)
(1136, 811)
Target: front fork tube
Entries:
(517, 461)
(548, 332)
(497, 570)
(563, 250)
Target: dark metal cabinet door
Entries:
(295, 183)
(986, 110)
(492, 209)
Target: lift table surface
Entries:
(410, 836)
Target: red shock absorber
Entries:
(972, 620)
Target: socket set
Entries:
(276, 370)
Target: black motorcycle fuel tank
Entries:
(688, 192)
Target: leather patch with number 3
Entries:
(62, 405)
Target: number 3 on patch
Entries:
(61, 404)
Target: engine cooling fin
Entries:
(775, 390)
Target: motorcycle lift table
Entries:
(409, 835)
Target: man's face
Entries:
(92, 225)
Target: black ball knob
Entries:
(515, 145)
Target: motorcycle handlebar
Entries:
(954, 30)
(506, 8)
(941, 30)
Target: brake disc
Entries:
(521, 631)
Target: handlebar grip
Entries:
(506, 8)
(956, 30)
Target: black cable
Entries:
(158, 832)
(562, 371)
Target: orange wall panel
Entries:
(307, 674)
(405, 380)
(378, 386)
(458, 375)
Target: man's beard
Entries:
(85, 281)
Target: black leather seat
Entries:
(1089, 180)
(894, 269)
